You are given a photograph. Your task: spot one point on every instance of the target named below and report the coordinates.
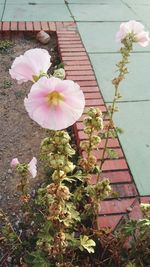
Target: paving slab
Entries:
(98, 12)
(136, 2)
(136, 86)
(100, 37)
(143, 12)
(45, 12)
(1, 10)
(94, 2)
(134, 118)
(30, 2)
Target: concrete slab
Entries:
(1, 10)
(45, 12)
(94, 2)
(135, 120)
(143, 12)
(100, 37)
(98, 12)
(136, 86)
(30, 2)
(136, 2)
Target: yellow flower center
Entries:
(54, 98)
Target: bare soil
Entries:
(19, 135)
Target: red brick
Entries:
(145, 199)
(94, 102)
(59, 25)
(125, 190)
(73, 54)
(69, 39)
(21, 26)
(102, 108)
(115, 176)
(87, 83)
(52, 26)
(117, 164)
(90, 89)
(92, 95)
(67, 33)
(71, 46)
(109, 221)
(76, 67)
(71, 43)
(116, 206)
(111, 142)
(75, 58)
(71, 50)
(98, 153)
(135, 212)
(44, 26)
(77, 63)
(118, 176)
(81, 78)
(69, 24)
(80, 72)
(0, 25)
(37, 26)
(29, 26)
(13, 26)
(6, 26)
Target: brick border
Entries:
(79, 69)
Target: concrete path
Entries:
(98, 21)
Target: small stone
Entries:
(1, 197)
(9, 259)
(9, 171)
(43, 37)
(129, 209)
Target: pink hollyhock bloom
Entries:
(137, 29)
(29, 66)
(32, 167)
(14, 163)
(54, 103)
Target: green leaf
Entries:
(86, 243)
(112, 154)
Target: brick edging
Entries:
(79, 69)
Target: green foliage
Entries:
(5, 45)
(37, 258)
(87, 244)
(112, 154)
(7, 84)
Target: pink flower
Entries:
(137, 29)
(29, 66)
(14, 163)
(32, 167)
(55, 104)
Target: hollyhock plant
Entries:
(30, 66)
(31, 166)
(55, 104)
(141, 37)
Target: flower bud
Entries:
(60, 73)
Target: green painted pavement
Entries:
(30, 2)
(94, 2)
(98, 12)
(100, 37)
(136, 2)
(1, 10)
(134, 118)
(143, 12)
(29, 13)
(136, 86)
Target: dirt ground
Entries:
(19, 135)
